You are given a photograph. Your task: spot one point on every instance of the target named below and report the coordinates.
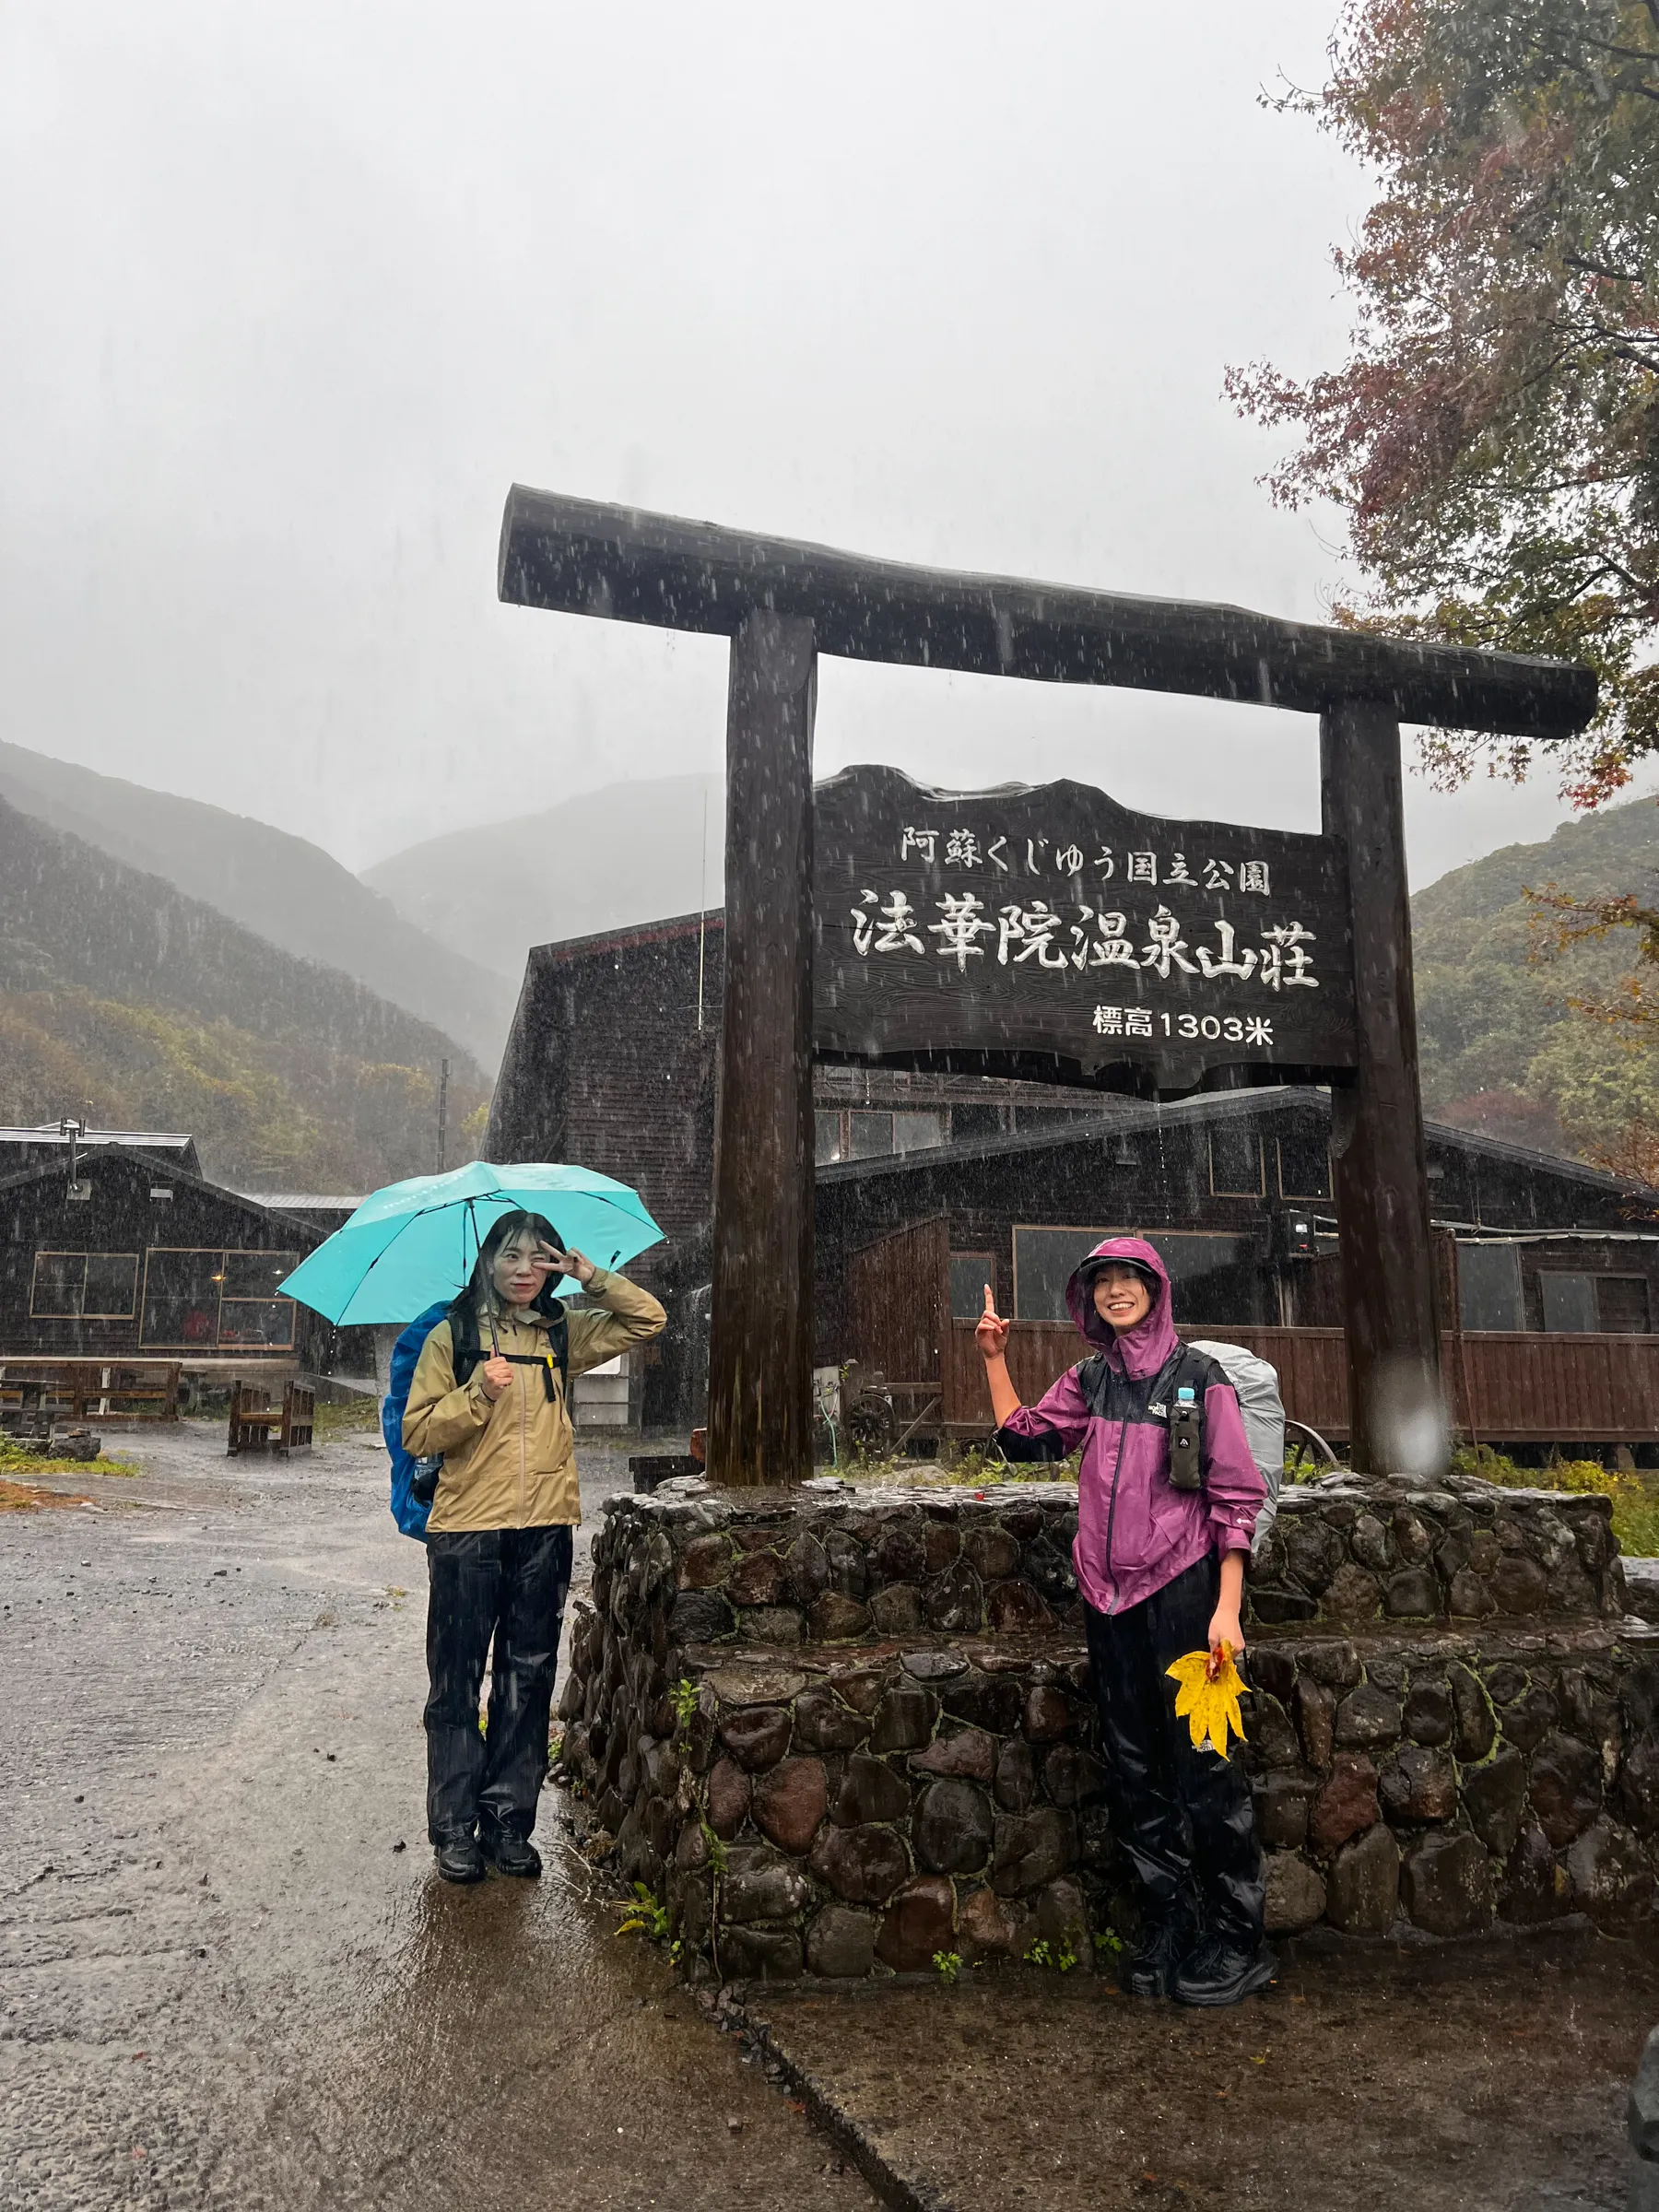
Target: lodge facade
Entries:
(930, 1185)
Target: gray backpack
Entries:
(1255, 1382)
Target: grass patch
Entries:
(15, 1462)
(968, 1469)
(353, 1418)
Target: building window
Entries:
(1489, 1287)
(198, 1300)
(917, 1132)
(1043, 1260)
(872, 1133)
(869, 1135)
(1304, 1164)
(1211, 1278)
(1236, 1169)
(84, 1286)
(969, 1272)
(1621, 1305)
(1568, 1304)
(969, 1124)
(251, 1313)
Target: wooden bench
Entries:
(92, 1390)
(258, 1426)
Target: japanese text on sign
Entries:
(962, 848)
(1043, 934)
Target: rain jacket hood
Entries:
(1143, 1349)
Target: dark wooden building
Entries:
(1548, 1270)
(140, 1258)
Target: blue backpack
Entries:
(415, 1481)
(409, 1511)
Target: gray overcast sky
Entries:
(295, 290)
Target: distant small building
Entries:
(141, 1257)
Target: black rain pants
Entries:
(1185, 1817)
(509, 1582)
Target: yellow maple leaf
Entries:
(1210, 1708)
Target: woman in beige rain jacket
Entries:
(499, 1540)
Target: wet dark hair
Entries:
(480, 1288)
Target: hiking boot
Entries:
(1148, 1970)
(1221, 1971)
(460, 1860)
(509, 1853)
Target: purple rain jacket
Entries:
(1135, 1531)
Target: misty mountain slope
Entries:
(287, 890)
(1491, 1020)
(127, 1002)
(629, 852)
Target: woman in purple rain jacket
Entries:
(1161, 1571)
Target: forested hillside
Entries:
(282, 887)
(1501, 1051)
(134, 1006)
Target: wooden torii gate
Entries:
(782, 604)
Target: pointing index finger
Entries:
(990, 1301)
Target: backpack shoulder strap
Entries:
(1094, 1379)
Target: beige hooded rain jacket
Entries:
(512, 1464)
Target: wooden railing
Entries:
(1502, 1386)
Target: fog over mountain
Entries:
(631, 852)
(288, 891)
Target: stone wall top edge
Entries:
(691, 1501)
(706, 1507)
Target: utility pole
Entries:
(442, 1116)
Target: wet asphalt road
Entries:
(222, 1981)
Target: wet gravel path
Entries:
(226, 1974)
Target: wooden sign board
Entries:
(1045, 930)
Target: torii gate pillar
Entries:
(761, 1329)
(1381, 1185)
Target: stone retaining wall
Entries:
(844, 1731)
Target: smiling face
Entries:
(1122, 1297)
(517, 1271)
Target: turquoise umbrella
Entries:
(414, 1242)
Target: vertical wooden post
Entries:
(1382, 1184)
(760, 1332)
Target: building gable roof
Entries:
(287, 1223)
